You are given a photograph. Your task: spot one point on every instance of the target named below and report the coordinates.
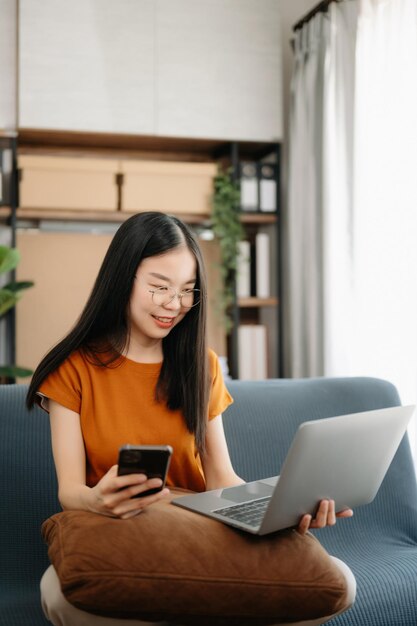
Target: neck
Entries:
(144, 353)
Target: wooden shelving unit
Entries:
(89, 216)
(120, 146)
(246, 303)
(135, 146)
(258, 218)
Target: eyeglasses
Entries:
(161, 296)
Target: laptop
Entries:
(343, 458)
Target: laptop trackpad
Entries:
(249, 491)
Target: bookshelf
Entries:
(256, 334)
(8, 207)
(110, 146)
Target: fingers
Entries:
(325, 516)
(130, 508)
(127, 505)
(304, 524)
(114, 484)
(115, 495)
(345, 513)
(129, 485)
(331, 515)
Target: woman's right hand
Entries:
(113, 494)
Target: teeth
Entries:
(166, 320)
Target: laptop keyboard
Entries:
(250, 513)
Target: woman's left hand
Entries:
(325, 516)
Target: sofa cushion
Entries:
(171, 564)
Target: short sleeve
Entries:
(220, 398)
(63, 385)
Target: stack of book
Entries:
(254, 267)
(258, 187)
(252, 361)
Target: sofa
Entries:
(379, 543)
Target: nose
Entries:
(174, 304)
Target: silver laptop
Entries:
(343, 458)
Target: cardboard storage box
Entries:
(63, 266)
(49, 182)
(170, 187)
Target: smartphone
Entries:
(153, 461)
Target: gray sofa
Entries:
(379, 543)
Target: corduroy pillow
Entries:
(171, 564)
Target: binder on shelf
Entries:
(245, 357)
(252, 352)
(263, 265)
(253, 263)
(6, 168)
(243, 282)
(267, 187)
(249, 193)
(260, 352)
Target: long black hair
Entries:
(103, 328)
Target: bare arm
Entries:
(216, 461)
(113, 494)
(69, 457)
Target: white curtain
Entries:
(358, 185)
(337, 181)
(385, 196)
(303, 295)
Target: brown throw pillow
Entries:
(171, 564)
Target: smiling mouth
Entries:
(164, 322)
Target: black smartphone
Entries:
(153, 461)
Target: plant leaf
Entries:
(228, 230)
(14, 371)
(9, 259)
(19, 286)
(7, 300)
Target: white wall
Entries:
(8, 64)
(290, 12)
(175, 67)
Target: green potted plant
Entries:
(228, 229)
(9, 296)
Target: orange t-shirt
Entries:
(117, 406)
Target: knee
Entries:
(52, 598)
(350, 582)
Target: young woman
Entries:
(135, 369)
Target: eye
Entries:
(160, 287)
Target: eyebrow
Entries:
(168, 280)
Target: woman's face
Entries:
(175, 269)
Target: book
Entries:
(249, 195)
(267, 188)
(259, 352)
(252, 361)
(263, 265)
(243, 279)
(245, 355)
